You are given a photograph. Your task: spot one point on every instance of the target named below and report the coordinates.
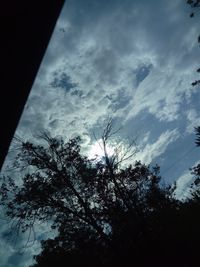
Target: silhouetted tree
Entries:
(195, 6)
(197, 131)
(105, 215)
(196, 171)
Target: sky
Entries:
(132, 60)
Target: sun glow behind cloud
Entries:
(96, 150)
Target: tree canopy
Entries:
(104, 214)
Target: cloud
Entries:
(15, 251)
(133, 60)
(12, 250)
(153, 150)
(142, 72)
(183, 182)
(161, 94)
(112, 58)
(193, 120)
(61, 80)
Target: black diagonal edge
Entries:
(25, 31)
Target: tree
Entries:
(196, 171)
(105, 215)
(195, 6)
(195, 187)
(197, 131)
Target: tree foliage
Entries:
(105, 215)
(195, 7)
(194, 4)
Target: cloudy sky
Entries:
(133, 60)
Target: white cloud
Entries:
(193, 120)
(162, 93)
(182, 190)
(152, 150)
(102, 47)
(183, 182)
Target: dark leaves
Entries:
(197, 131)
(96, 208)
(195, 83)
(194, 3)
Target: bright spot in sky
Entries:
(96, 150)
